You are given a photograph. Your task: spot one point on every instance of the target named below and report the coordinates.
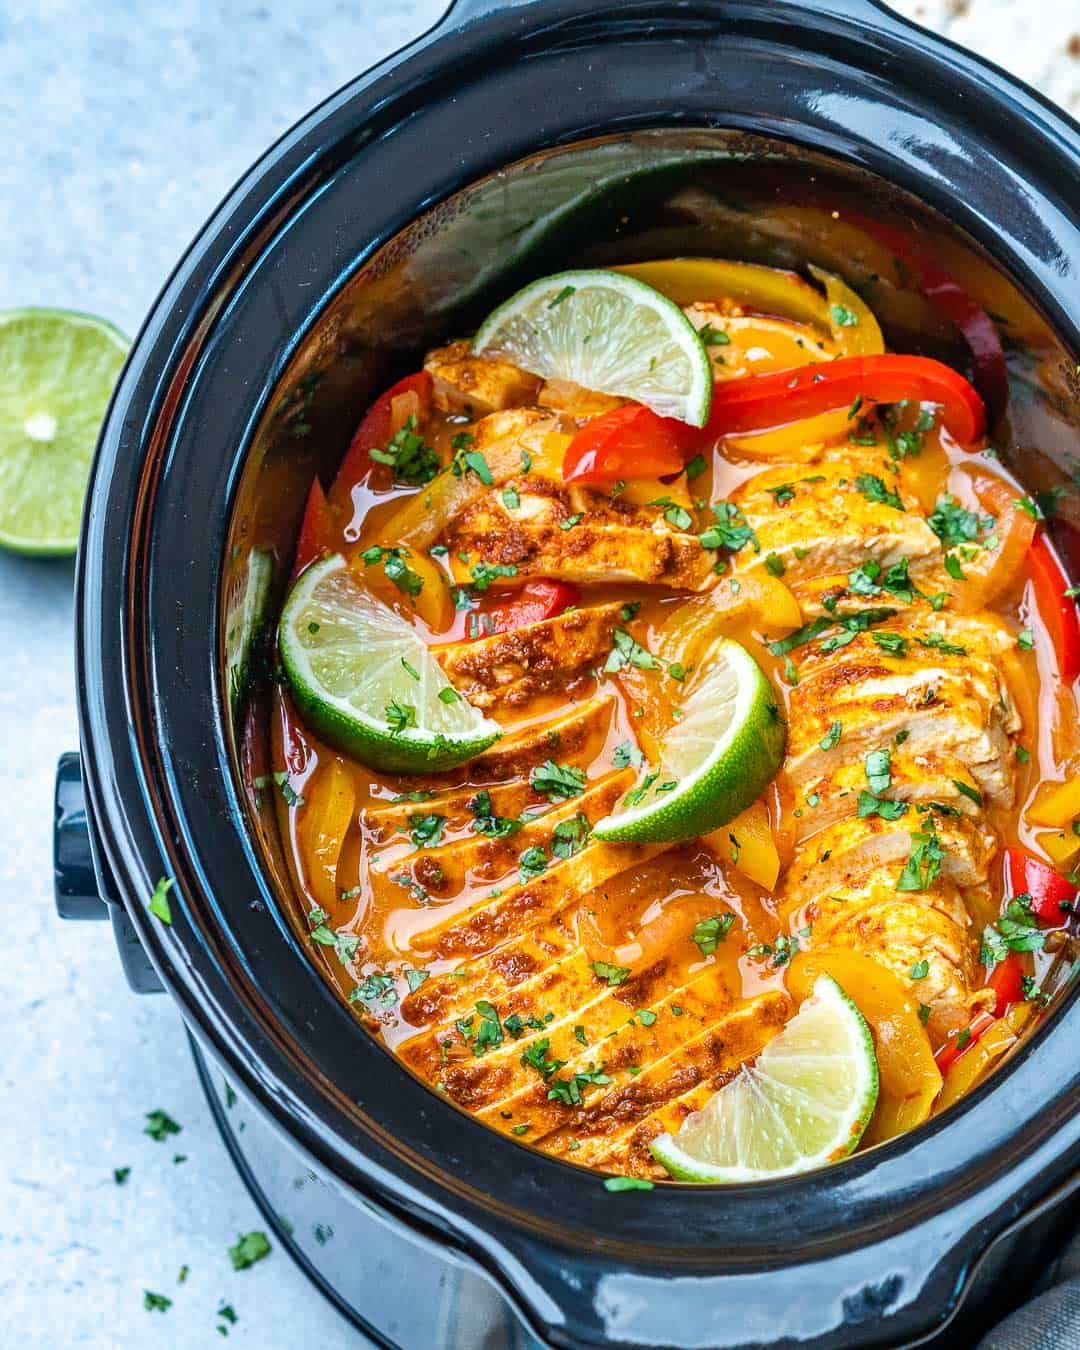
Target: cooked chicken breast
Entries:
(539, 534)
(830, 517)
(933, 684)
(506, 670)
(475, 385)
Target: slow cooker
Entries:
(508, 141)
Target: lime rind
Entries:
(245, 609)
(349, 659)
(804, 1103)
(609, 333)
(58, 369)
(721, 755)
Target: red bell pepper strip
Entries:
(762, 401)
(1025, 875)
(1006, 980)
(630, 442)
(531, 603)
(959, 1043)
(1056, 609)
(316, 532)
(374, 433)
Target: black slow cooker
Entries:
(507, 142)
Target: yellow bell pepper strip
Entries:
(328, 811)
(854, 328)
(760, 599)
(1060, 846)
(767, 290)
(798, 442)
(1056, 804)
(748, 843)
(909, 1078)
(968, 1068)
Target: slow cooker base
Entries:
(398, 1289)
(404, 1292)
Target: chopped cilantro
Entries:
(249, 1248)
(627, 755)
(874, 490)
(730, 532)
(709, 932)
(628, 652)
(614, 975)
(558, 781)
(411, 460)
(924, 862)
(161, 1126)
(426, 831)
(159, 901)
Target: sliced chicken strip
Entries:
(935, 686)
(829, 517)
(475, 385)
(915, 777)
(541, 536)
(507, 670)
(838, 856)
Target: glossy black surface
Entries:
(887, 1241)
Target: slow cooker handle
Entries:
(82, 884)
(463, 12)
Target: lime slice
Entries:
(365, 682)
(804, 1102)
(57, 372)
(609, 333)
(245, 608)
(717, 759)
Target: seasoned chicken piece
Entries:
(915, 777)
(575, 401)
(522, 932)
(839, 855)
(540, 536)
(482, 858)
(900, 931)
(870, 586)
(618, 1123)
(577, 736)
(506, 670)
(936, 685)
(830, 517)
(475, 385)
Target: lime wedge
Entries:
(609, 333)
(804, 1102)
(245, 608)
(717, 759)
(57, 372)
(365, 682)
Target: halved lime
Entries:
(716, 759)
(609, 333)
(57, 372)
(365, 682)
(805, 1101)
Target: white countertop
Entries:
(120, 135)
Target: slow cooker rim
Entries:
(98, 788)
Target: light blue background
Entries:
(121, 127)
